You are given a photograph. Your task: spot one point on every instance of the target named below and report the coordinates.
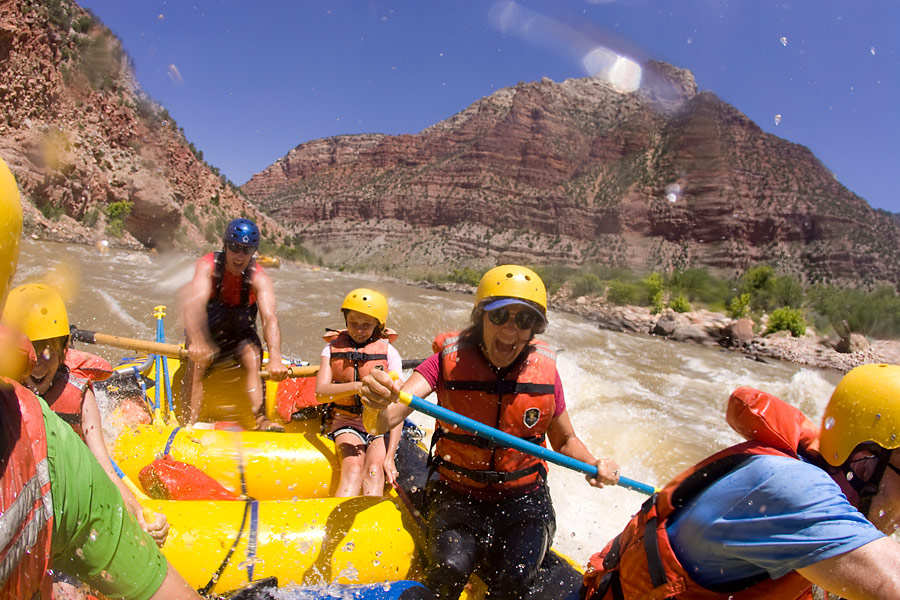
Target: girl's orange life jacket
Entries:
(350, 362)
(640, 562)
(521, 403)
(26, 506)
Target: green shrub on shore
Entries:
(787, 319)
(588, 285)
(680, 304)
(626, 292)
(116, 213)
(739, 306)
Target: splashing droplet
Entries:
(829, 422)
(783, 41)
(778, 119)
(872, 50)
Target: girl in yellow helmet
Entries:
(364, 346)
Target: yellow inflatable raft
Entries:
(290, 528)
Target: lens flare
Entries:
(623, 73)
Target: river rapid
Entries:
(653, 405)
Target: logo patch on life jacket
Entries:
(532, 416)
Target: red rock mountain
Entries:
(83, 139)
(578, 173)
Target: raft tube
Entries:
(360, 540)
(261, 465)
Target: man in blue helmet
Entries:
(220, 306)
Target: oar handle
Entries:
(495, 435)
(103, 339)
(171, 350)
(295, 371)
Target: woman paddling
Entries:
(490, 508)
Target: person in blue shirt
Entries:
(769, 519)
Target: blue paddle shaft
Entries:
(495, 435)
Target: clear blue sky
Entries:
(248, 80)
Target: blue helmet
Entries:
(242, 231)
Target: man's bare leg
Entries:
(250, 357)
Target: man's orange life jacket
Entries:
(640, 562)
(26, 506)
(521, 403)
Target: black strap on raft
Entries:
(219, 276)
(215, 577)
(251, 509)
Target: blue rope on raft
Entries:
(170, 441)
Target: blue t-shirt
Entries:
(773, 514)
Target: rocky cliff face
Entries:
(93, 155)
(576, 172)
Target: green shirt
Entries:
(95, 538)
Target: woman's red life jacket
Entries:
(66, 397)
(638, 565)
(26, 506)
(522, 403)
(350, 362)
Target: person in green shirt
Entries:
(49, 478)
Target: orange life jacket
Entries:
(233, 290)
(638, 565)
(26, 506)
(87, 366)
(522, 404)
(350, 362)
(66, 397)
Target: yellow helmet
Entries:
(513, 281)
(10, 228)
(368, 302)
(38, 311)
(865, 407)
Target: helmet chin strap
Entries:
(867, 489)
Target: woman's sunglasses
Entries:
(240, 248)
(525, 319)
